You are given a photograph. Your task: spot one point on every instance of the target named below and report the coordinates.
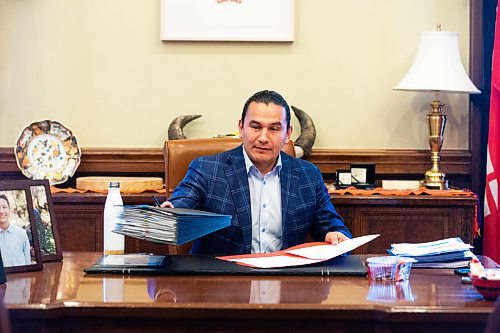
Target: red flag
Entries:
(491, 242)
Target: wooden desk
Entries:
(396, 218)
(62, 299)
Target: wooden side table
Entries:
(411, 218)
(396, 218)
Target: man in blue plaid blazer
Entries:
(275, 200)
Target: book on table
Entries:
(444, 253)
(173, 226)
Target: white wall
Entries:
(99, 68)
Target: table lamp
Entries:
(437, 68)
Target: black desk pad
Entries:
(209, 265)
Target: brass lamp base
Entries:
(435, 185)
(436, 121)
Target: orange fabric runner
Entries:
(54, 189)
(351, 190)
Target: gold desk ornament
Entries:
(436, 122)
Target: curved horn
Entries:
(307, 131)
(175, 129)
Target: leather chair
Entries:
(179, 153)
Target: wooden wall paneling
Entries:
(122, 160)
(389, 164)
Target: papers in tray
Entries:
(429, 248)
(304, 254)
(443, 264)
(445, 253)
(173, 226)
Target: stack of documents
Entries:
(445, 253)
(174, 226)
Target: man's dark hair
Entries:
(266, 97)
(3, 196)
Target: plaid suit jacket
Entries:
(219, 184)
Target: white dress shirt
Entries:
(265, 198)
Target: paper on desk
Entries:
(304, 254)
(429, 248)
(328, 251)
(274, 261)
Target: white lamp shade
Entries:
(437, 66)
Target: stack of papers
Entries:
(174, 226)
(304, 254)
(445, 253)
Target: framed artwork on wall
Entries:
(19, 246)
(227, 20)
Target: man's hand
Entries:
(335, 237)
(167, 204)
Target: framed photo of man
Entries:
(46, 226)
(19, 246)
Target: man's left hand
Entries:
(335, 237)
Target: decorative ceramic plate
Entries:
(47, 150)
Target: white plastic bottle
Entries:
(113, 243)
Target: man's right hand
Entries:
(167, 204)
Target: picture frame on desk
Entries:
(343, 179)
(3, 279)
(43, 209)
(19, 246)
(363, 175)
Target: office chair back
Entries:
(179, 153)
